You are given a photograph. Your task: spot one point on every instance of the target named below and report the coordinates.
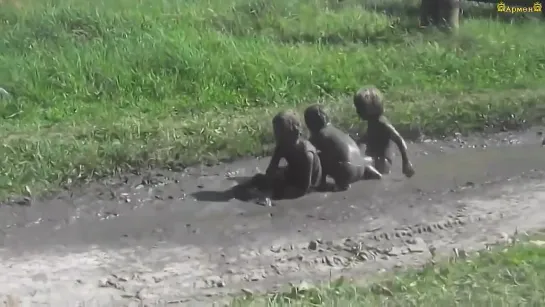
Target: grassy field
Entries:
(102, 86)
(502, 277)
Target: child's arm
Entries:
(307, 170)
(397, 139)
(275, 160)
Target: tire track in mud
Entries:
(189, 274)
(467, 216)
(466, 230)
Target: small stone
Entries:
(276, 249)
(157, 279)
(313, 245)
(142, 294)
(247, 292)
(109, 283)
(302, 286)
(299, 257)
(255, 277)
(394, 251)
(418, 245)
(220, 284)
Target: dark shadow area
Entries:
(247, 189)
(214, 196)
(251, 189)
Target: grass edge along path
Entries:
(48, 157)
(507, 275)
(105, 87)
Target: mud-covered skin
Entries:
(303, 170)
(340, 156)
(380, 132)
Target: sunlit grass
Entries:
(103, 86)
(507, 276)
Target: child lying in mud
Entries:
(340, 156)
(303, 171)
(369, 106)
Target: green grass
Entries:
(103, 86)
(502, 277)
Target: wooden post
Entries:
(440, 13)
(449, 14)
(428, 13)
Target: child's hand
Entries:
(408, 170)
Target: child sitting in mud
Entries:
(369, 106)
(303, 171)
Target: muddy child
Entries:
(370, 108)
(303, 170)
(339, 154)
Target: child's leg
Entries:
(371, 173)
(383, 165)
(281, 183)
(287, 185)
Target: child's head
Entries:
(316, 118)
(369, 103)
(287, 127)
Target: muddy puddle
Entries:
(179, 238)
(192, 206)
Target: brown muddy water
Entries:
(182, 233)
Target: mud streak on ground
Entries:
(170, 237)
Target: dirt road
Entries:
(165, 237)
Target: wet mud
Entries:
(181, 236)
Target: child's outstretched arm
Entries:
(401, 145)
